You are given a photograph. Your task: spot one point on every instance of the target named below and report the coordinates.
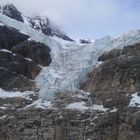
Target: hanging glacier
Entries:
(70, 66)
(71, 61)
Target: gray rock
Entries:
(10, 37)
(36, 51)
(16, 72)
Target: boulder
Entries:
(10, 37)
(36, 51)
(17, 72)
(109, 55)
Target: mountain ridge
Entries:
(38, 23)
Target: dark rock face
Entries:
(110, 55)
(117, 73)
(113, 83)
(131, 50)
(16, 71)
(11, 11)
(128, 50)
(13, 81)
(123, 73)
(19, 64)
(10, 37)
(36, 51)
(85, 41)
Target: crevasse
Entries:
(70, 61)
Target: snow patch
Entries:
(30, 39)
(99, 107)
(3, 117)
(3, 107)
(6, 94)
(114, 110)
(98, 64)
(28, 59)
(2, 68)
(1, 24)
(25, 19)
(79, 96)
(43, 105)
(39, 104)
(135, 101)
(81, 106)
(77, 106)
(5, 50)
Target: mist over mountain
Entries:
(42, 24)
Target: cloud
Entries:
(61, 10)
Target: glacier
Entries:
(71, 65)
(71, 61)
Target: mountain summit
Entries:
(42, 24)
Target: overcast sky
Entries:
(86, 18)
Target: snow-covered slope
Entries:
(39, 23)
(108, 43)
(70, 61)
